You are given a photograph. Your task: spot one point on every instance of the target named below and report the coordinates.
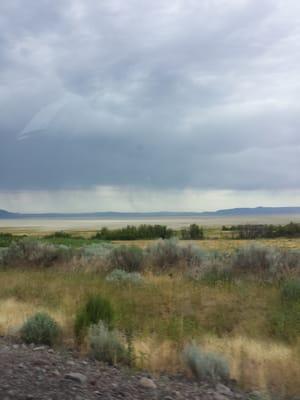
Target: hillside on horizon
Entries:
(256, 211)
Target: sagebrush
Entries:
(40, 329)
(106, 345)
(204, 365)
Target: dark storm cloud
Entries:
(166, 94)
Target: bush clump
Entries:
(165, 253)
(193, 232)
(35, 253)
(95, 309)
(40, 329)
(106, 345)
(290, 290)
(128, 258)
(120, 276)
(131, 232)
(266, 262)
(170, 253)
(59, 235)
(205, 366)
(255, 258)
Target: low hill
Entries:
(111, 214)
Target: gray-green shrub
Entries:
(205, 366)
(31, 252)
(106, 345)
(40, 329)
(168, 253)
(164, 253)
(97, 251)
(95, 309)
(266, 262)
(253, 258)
(128, 258)
(120, 276)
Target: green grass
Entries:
(168, 313)
(169, 308)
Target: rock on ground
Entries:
(44, 374)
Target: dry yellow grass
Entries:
(255, 364)
(165, 314)
(264, 365)
(223, 244)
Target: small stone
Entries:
(76, 377)
(147, 383)
(71, 363)
(51, 351)
(56, 372)
(223, 389)
(39, 348)
(15, 346)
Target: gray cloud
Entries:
(159, 94)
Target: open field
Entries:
(164, 314)
(240, 317)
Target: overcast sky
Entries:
(140, 105)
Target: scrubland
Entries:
(239, 299)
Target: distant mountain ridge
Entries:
(4, 214)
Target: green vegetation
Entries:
(94, 310)
(6, 239)
(291, 230)
(40, 329)
(257, 261)
(146, 232)
(244, 320)
(135, 232)
(193, 232)
(290, 291)
(240, 303)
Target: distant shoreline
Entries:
(175, 222)
(233, 212)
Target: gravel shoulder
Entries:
(29, 373)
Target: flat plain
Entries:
(232, 318)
